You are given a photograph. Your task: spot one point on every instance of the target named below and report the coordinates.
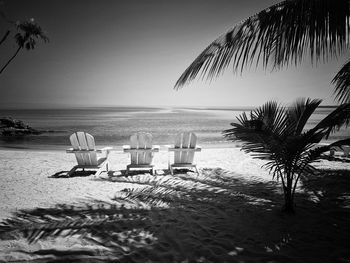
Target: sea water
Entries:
(112, 126)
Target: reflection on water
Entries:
(113, 126)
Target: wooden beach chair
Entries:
(184, 150)
(86, 153)
(344, 148)
(141, 152)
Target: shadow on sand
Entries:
(216, 216)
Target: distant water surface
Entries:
(113, 126)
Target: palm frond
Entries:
(340, 143)
(342, 84)
(299, 113)
(304, 162)
(335, 120)
(281, 34)
(28, 33)
(263, 133)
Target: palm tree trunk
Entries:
(288, 196)
(295, 185)
(5, 36)
(289, 202)
(8, 62)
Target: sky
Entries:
(131, 52)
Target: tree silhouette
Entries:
(28, 33)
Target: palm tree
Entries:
(28, 33)
(281, 35)
(276, 134)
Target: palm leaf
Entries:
(281, 34)
(263, 133)
(335, 120)
(342, 84)
(340, 143)
(28, 32)
(299, 114)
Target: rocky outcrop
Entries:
(13, 127)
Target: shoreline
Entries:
(163, 147)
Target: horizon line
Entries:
(71, 107)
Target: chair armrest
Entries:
(128, 149)
(155, 148)
(71, 150)
(105, 149)
(197, 149)
(141, 150)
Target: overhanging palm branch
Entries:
(335, 120)
(279, 35)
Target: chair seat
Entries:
(183, 165)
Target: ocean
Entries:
(113, 126)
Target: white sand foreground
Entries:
(26, 176)
(247, 228)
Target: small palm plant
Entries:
(277, 134)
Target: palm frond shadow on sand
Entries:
(214, 217)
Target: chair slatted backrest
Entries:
(186, 140)
(83, 141)
(141, 141)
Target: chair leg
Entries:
(99, 171)
(127, 171)
(171, 170)
(104, 167)
(72, 171)
(152, 171)
(196, 170)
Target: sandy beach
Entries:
(256, 229)
(27, 177)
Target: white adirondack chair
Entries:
(344, 148)
(141, 152)
(86, 153)
(184, 149)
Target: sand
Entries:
(31, 179)
(26, 175)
